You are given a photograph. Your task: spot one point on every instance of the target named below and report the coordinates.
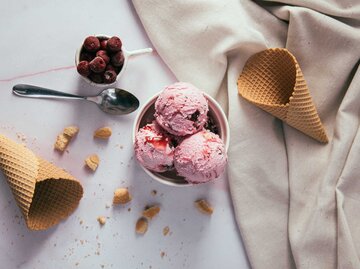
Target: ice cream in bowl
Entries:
(181, 136)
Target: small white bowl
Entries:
(127, 55)
(146, 115)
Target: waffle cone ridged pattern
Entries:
(273, 81)
(45, 193)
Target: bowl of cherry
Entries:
(102, 59)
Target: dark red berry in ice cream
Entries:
(211, 125)
(97, 78)
(109, 76)
(114, 44)
(86, 56)
(118, 59)
(103, 44)
(97, 65)
(92, 43)
(83, 68)
(103, 54)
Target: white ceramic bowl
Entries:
(127, 55)
(146, 115)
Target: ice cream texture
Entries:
(154, 149)
(181, 109)
(200, 157)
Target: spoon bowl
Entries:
(113, 101)
(118, 101)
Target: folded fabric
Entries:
(296, 201)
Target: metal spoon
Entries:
(113, 100)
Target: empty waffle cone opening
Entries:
(273, 81)
(53, 200)
(45, 193)
(269, 82)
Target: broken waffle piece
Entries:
(101, 220)
(63, 139)
(103, 133)
(204, 207)
(141, 226)
(71, 131)
(92, 162)
(151, 212)
(121, 196)
(61, 142)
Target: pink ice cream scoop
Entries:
(200, 157)
(154, 149)
(181, 109)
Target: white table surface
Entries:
(39, 39)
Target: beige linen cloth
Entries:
(297, 202)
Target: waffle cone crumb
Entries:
(153, 192)
(121, 196)
(61, 142)
(151, 212)
(63, 139)
(166, 230)
(71, 131)
(101, 220)
(103, 133)
(92, 162)
(141, 226)
(204, 207)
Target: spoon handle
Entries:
(31, 91)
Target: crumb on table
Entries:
(153, 192)
(166, 230)
(151, 212)
(71, 131)
(101, 220)
(141, 225)
(61, 142)
(64, 138)
(92, 162)
(103, 133)
(121, 196)
(204, 207)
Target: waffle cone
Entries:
(45, 193)
(273, 81)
